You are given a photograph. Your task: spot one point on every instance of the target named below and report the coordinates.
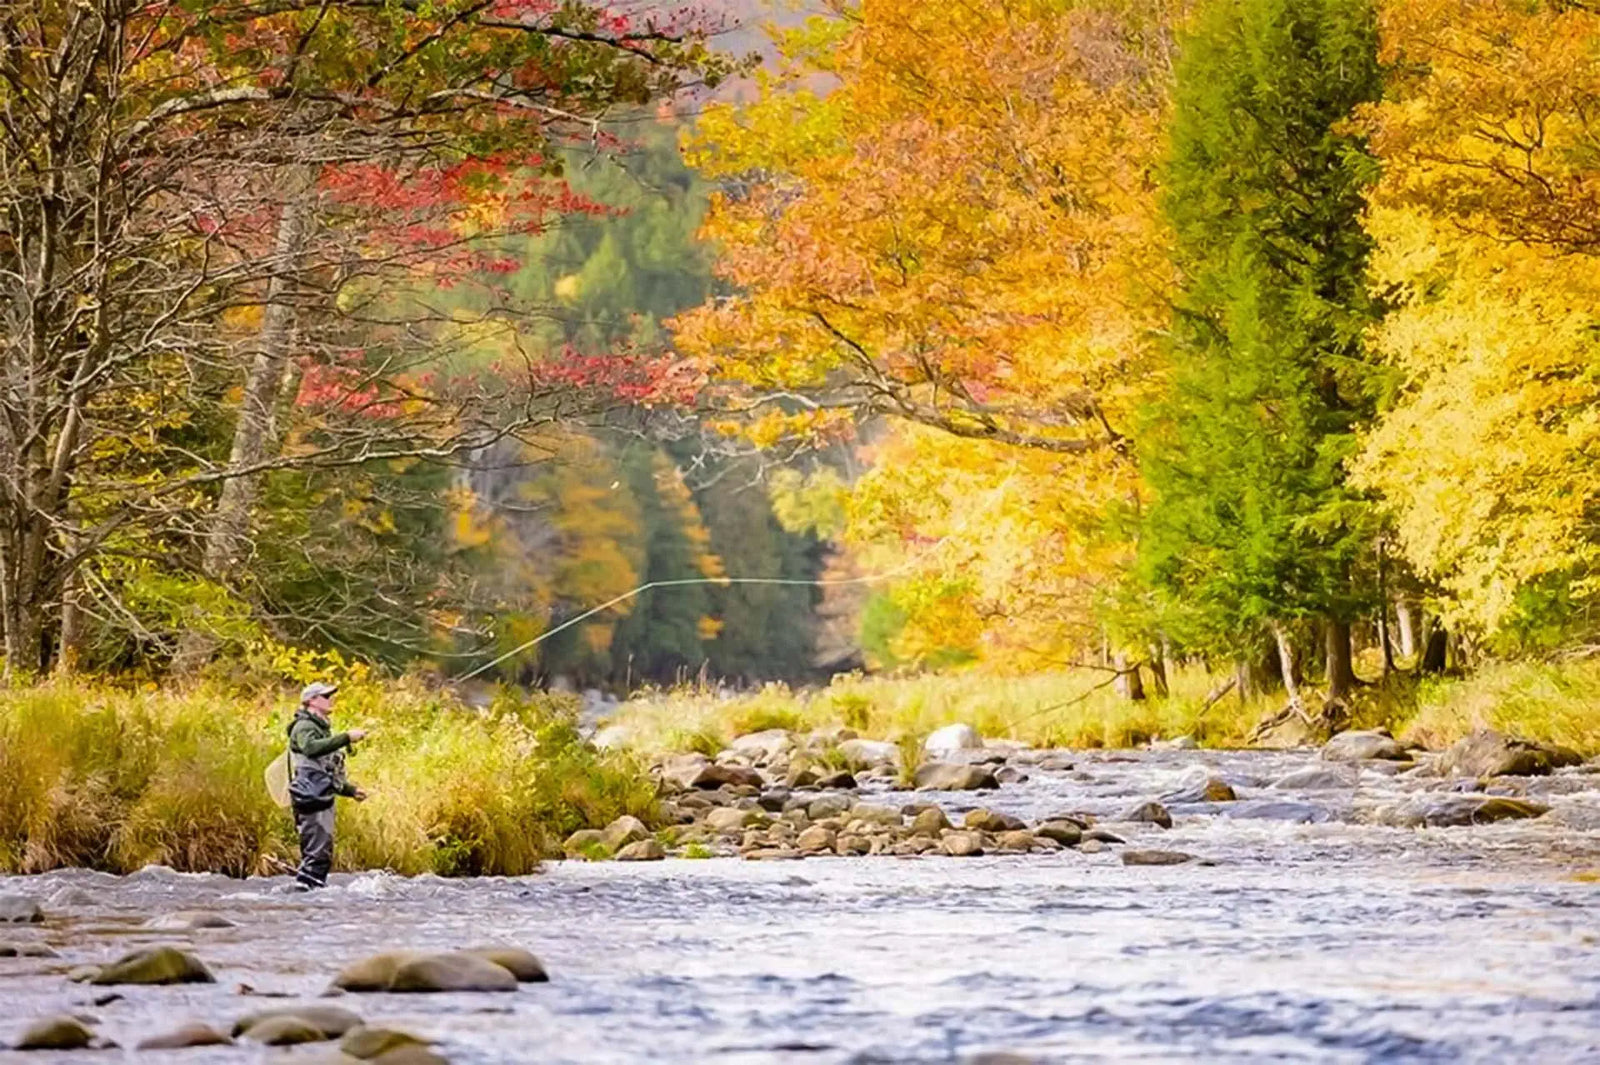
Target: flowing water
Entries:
(1313, 937)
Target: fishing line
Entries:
(789, 581)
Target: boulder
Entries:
(875, 815)
(1284, 731)
(1063, 832)
(841, 778)
(1488, 753)
(984, 819)
(188, 921)
(457, 971)
(816, 839)
(1018, 839)
(331, 1021)
(522, 964)
(623, 831)
(769, 743)
(802, 776)
(715, 775)
(730, 820)
(849, 844)
(863, 754)
(944, 776)
(680, 770)
(952, 738)
(374, 972)
(155, 965)
(1316, 778)
(962, 844)
(930, 823)
(1149, 813)
(1091, 846)
(828, 806)
(1010, 774)
(1445, 811)
(59, 1032)
(642, 850)
(193, 1034)
(285, 1030)
(371, 1043)
(1199, 784)
(19, 909)
(1100, 835)
(389, 1046)
(1360, 745)
(1155, 857)
(585, 843)
(774, 800)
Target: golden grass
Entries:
(1557, 703)
(115, 779)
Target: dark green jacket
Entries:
(318, 774)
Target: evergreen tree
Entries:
(1254, 529)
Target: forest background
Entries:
(1215, 358)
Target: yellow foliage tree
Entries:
(1487, 232)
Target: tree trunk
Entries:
(1341, 673)
(1158, 671)
(228, 538)
(1129, 683)
(1286, 661)
(1434, 652)
(1405, 621)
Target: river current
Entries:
(1310, 937)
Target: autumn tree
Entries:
(1486, 229)
(181, 184)
(1254, 527)
(936, 223)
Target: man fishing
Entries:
(316, 778)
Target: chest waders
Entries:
(313, 784)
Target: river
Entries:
(1312, 937)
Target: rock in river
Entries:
(188, 921)
(331, 1021)
(193, 1034)
(1150, 813)
(411, 971)
(943, 776)
(19, 909)
(1363, 745)
(285, 1030)
(986, 820)
(60, 1032)
(1487, 753)
(1155, 857)
(155, 965)
(1443, 811)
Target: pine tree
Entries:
(1254, 530)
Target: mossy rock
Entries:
(155, 965)
(331, 1021)
(285, 1030)
(373, 973)
(59, 1032)
(451, 972)
(527, 968)
(369, 1043)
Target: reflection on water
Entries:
(1314, 941)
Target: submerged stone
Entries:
(59, 1032)
(155, 965)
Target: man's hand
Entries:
(359, 796)
(357, 735)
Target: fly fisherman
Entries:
(316, 777)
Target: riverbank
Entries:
(116, 779)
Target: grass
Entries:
(113, 779)
(1557, 703)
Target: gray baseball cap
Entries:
(316, 688)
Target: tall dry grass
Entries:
(1550, 702)
(115, 779)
